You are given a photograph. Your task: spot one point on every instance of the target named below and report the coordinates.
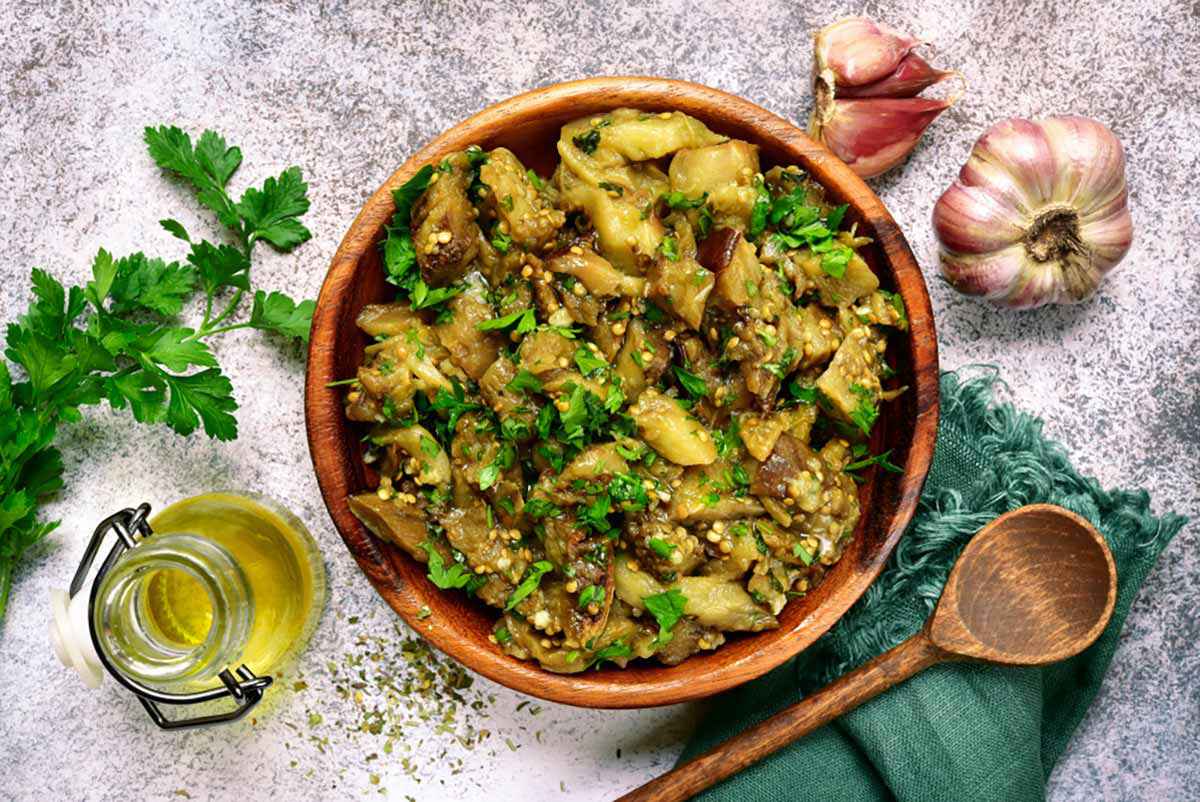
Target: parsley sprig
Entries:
(118, 338)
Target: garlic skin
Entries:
(866, 79)
(1038, 215)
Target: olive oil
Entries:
(278, 558)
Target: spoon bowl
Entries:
(1035, 586)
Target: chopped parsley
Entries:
(456, 576)
(760, 210)
(502, 635)
(865, 414)
(667, 608)
(613, 651)
(533, 578)
(589, 362)
(608, 186)
(804, 394)
(663, 548)
(677, 200)
(524, 382)
(540, 508)
(525, 320)
(882, 460)
(693, 384)
(669, 247)
(587, 142)
(798, 550)
(501, 241)
(592, 594)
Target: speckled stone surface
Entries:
(347, 90)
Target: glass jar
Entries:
(225, 580)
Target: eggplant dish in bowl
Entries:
(625, 402)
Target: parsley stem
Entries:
(223, 329)
(210, 327)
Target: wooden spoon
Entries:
(1035, 586)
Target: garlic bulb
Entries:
(866, 79)
(1038, 214)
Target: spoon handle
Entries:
(792, 723)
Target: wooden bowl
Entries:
(529, 125)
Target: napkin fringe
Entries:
(1016, 465)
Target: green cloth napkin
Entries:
(954, 733)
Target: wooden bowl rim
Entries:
(323, 405)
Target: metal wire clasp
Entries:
(243, 686)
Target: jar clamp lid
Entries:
(73, 634)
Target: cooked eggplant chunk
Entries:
(445, 235)
(625, 405)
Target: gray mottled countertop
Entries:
(347, 90)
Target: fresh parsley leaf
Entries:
(834, 263)
(525, 320)
(589, 363)
(667, 608)
(524, 382)
(540, 508)
(804, 394)
(176, 349)
(533, 577)
(488, 476)
(272, 213)
(219, 266)
(759, 211)
(175, 229)
(835, 217)
(150, 284)
(399, 254)
(588, 141)
(693, 384)
(207, 168)
(456, 576)
(278, 313)
(798, 550)
(882, 460)
(677, 200)
(865, 414)
(592, 594)
(669, 247)
(662, 548)
(613, 651)
(501, 241)
(206, 395)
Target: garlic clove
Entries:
(1014, 159)
(973, 219)
(873, 136)
(989, 275)
(911, 76)
(1089, 162)
(1109, 235)
(857, 50)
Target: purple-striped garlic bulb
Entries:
(1039, 214)
(866, 79)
